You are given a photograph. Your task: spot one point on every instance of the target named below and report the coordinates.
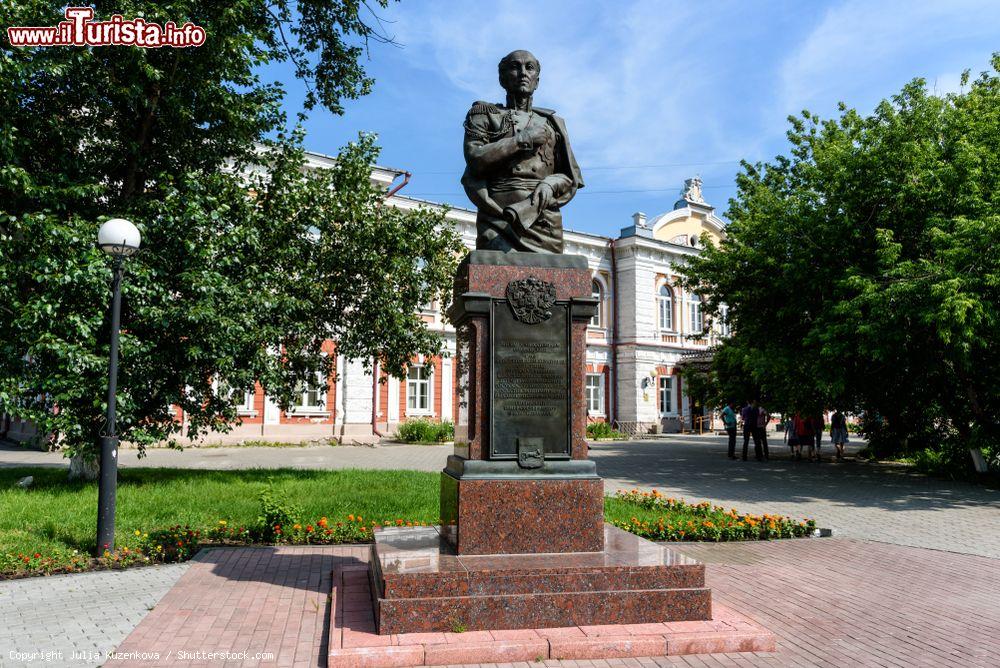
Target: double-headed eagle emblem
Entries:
(530, 299)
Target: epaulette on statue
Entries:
(480, 107)
(475, 128)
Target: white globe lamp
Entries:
(118, 236)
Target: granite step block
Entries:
(531, 611)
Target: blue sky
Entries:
(652, 92)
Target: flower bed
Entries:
(653, 516)
(180, 543)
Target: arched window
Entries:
(665, 308)
(597, 293)
(697, 321)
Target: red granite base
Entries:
(421, 585)
(523, 516)
(354, 641)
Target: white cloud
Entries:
(863, 51)
(632, 79)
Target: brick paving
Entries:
(44, 621)
(262, 605)
(841, 601)
(831, 602)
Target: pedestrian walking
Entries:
(791, 438)
(749, 416)
(838, 433)
(804, 431)
(729, 421)
(819, 424)
(763, 418)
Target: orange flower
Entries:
(309, 528)
(350, 518)
(322, 523)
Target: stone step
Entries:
(529, 611)
(527, 580)
(421, 585)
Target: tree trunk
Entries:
(83, 467)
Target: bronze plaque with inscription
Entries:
(530, 380)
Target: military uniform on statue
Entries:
(523, 543)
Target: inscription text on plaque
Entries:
(530, 374)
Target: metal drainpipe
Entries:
(614, 332)
(406, 179)
(374, 400)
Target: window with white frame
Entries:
(665, 308)
(595, 393)
(666, 395)
(418, 390)
(724, 329)
(597, 293)
(697, 321)
(247, 405)
(243, 401)
(311, 396)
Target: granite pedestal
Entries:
(522, 542)
(421, 585)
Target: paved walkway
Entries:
(856, 500)
(832, 602)
(73, 620)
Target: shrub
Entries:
(422, 430)
(597, 430)
(276, 515)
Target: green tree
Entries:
(862, 271)
(249, 261)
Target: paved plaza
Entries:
(856, 500)
(912, 576)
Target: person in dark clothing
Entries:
(838, 432)
(749, 415)
(819, 423)
(729, 420)
(804, 432)
(763, 418)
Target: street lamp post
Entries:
(118, 238)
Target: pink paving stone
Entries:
(607, 647)
(717, 643)
(379, 657)
(420, 639)
(468, 637)
(559, 632)
(502, 651)
(656, 629)
(365, 639)
(515, 634)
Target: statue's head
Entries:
(519, 72)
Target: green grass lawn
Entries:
(57, 519)
(54, 517)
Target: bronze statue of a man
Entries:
(520, 169)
